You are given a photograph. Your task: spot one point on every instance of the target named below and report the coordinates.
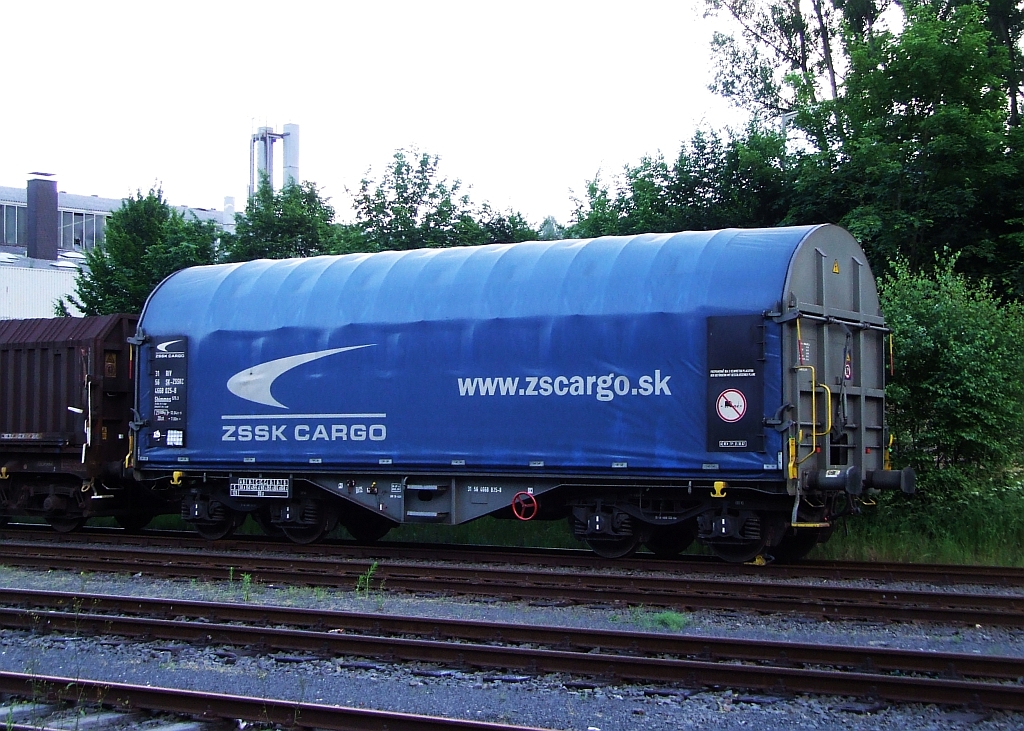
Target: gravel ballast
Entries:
(549, 701)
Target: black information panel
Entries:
(170, 383)
(735, 384)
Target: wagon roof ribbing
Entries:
(56, 330)
(709, 271)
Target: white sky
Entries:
(524, 101)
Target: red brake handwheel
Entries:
(524, 506)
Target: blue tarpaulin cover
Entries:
(565, 357)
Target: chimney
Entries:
(43, 226)
(291, 154)
(228, 217)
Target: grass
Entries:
(990, 535)
(662, 620)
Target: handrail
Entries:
(814, 411)
(829, 410)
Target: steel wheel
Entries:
(614, 547)
(216, 531)
(738, 552)
(65, 524)
(303, 534)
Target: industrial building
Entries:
(44, 234)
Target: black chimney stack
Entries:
(43, 227)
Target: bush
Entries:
(956, 400)
(956, 411)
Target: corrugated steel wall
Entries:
(43, 364)
(36, 386)
(27, 293)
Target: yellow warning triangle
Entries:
(835, 267)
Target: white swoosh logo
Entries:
(162, 347)
(254, 384)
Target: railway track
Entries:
(290, 714)
(936, 574)
(625, 656)
(601, 587)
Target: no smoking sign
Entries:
(731, 405)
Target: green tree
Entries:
(779, 54)
(412, 207)
(1005, 20)
(550, 230)
(956, 399)
(916, 148)
(292, 222)
(146, 241)
(926, 156)
(713, 183)
(497, 227)
(350, 238)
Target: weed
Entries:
(246, 587)
(364, 582)
(672, 621)
(319, 593)
(231, 574)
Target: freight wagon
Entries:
(66, 390)
(726, 386)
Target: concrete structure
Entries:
(291, 154)
(261, 156)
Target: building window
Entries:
(90, 232)
(12, 225)
(80, 231)
(67, 230)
